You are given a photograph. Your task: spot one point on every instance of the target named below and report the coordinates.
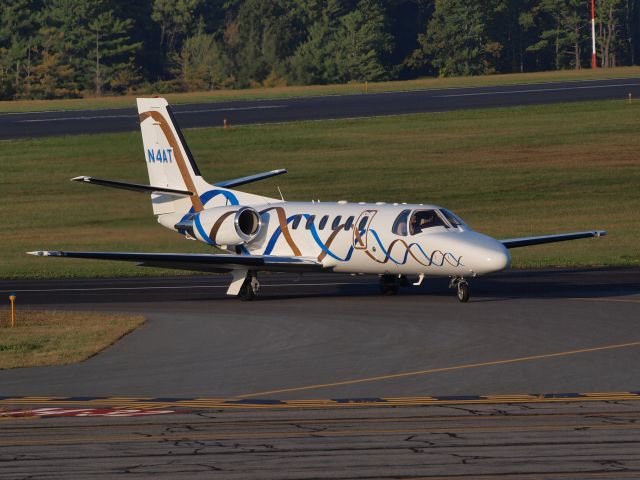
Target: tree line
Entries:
(73, 48)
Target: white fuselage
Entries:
(367, 238)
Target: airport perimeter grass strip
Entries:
(508, 172)
(92, 103)
(55, 338)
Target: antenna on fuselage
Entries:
(280, 192)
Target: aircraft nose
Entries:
(497, 259)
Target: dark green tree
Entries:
(19, 24)
(608, 20)
(505, 27)
(562, 27)
(344, 48)
(314, 61)
(94, 42)
(360, 43)
(266, 35)
(176, 19)
(113, 52)
(203, 65)
(53, 48)
(457, 41)
(51, 76)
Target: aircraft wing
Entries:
(526, 241)
(200, 262)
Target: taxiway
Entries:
(324, 378)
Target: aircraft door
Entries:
(361, 229)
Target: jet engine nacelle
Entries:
(230, 225)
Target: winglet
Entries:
(81, 178)
(46, 253)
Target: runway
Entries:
(40, 124)
(322, 377)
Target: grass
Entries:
(300, 91)
(56, 338)
(508, 172)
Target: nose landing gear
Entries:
(462, 287)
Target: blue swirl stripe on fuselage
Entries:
(211, 194)
(203, 234)
(384, 250)
(428, 258)
(314, 233)
(316, 237)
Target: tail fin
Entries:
(169, 160)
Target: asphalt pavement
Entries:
(322, 377)
(596, 441)
(326, 336)
(40, 124)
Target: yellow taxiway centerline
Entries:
(441, 369)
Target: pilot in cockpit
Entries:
(423, 219)
(413, 225)
(428, 220)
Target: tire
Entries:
(246, 291)
(388, 285)
(388, 290)
(463, 292)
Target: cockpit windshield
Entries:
(418, 221)
(423, 219)
(452, 218)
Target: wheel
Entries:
(463, 291)
(388, 289)
(388, 285)
(246, 291)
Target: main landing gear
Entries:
(462, 287)
(389, 284)
(250, 287)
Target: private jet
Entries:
(261, 234)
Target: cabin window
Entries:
(323, 222)
(349, 223)
(424, 219)
(336, 222)
(400, 225)
(363, 223)
(310, 220)
(296, 221)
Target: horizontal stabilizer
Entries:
(200, 262)
(249, 179)
(135, 187)
(562, 237)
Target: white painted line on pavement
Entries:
(503, 92)
(177, 287)
(98, 117)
